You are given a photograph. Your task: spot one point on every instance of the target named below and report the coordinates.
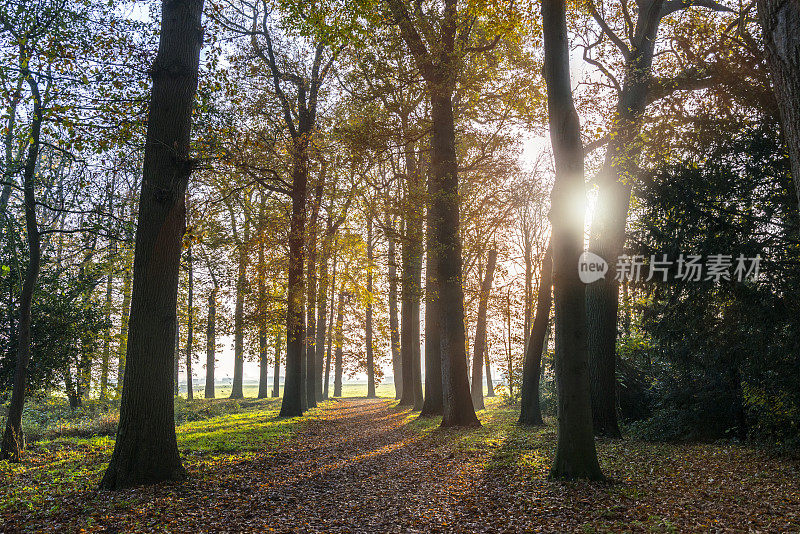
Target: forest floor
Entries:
(359, 465)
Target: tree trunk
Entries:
(238, 315)
(322, 317)
(72, 395)
(780, 26)
(433, 403)
(13, 438)
(457, 402)
(326, 383)
(489, 382)
(122, 344)
(530, 410)
(146, 450)
(480, 333)
(576, 456)
(263, 360)
(211, 343)
(294, 394)
(311, 309)
(394, 326)
(607, 236)
(104, 364)
(337, 377)
(263, 364)
(368, 333)
(176, 356)
(189, 324)
(276, 373)
(411, 259)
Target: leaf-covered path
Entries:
(358, 465)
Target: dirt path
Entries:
(365, 466)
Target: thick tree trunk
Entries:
(146, 450)
(189, 324)
(13, 438)
(457, 402)
(337, 373)
(780, 26)
(276, 372)
(530, 410)
(480, 332)
(576, 456)
(311, 309)
(122, 344)
(368, 333)
(394, 326)
(433, 404)
(294, 394)
(211, 343)
(238, 315)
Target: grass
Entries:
(68, 450)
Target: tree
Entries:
(618, 173)
(242, 240)
(530, 412)
(370, 297)
(189, 317)
(780, 24)
(480, 332)
(146, 449)
(576, 456)
(13, 439)
(438, 67)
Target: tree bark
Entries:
(13, 438)
(368, 333)
(294, 394)
(576, 456)
(146, 449)
(480, 332)
(530, 410)
(780, 26)
(211, 343)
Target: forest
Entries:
(400, 266)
